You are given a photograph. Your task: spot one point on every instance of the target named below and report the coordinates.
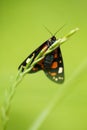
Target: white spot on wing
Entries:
(60, 70)
(56, 79)
(27, 60)
(60, 61)
(61, 78)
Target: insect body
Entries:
(52, 64)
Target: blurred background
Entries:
(21, 31)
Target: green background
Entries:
(21, 31)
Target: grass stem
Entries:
(10, 92)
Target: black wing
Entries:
(47, 43)
(56, 71)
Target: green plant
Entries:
(11, 90)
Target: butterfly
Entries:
(52, 64)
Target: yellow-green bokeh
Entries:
(21, 31)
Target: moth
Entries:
(52, 64)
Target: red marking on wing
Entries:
(54, 65)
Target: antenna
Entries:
(48, 30)
(59, 30)
(55, 32)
